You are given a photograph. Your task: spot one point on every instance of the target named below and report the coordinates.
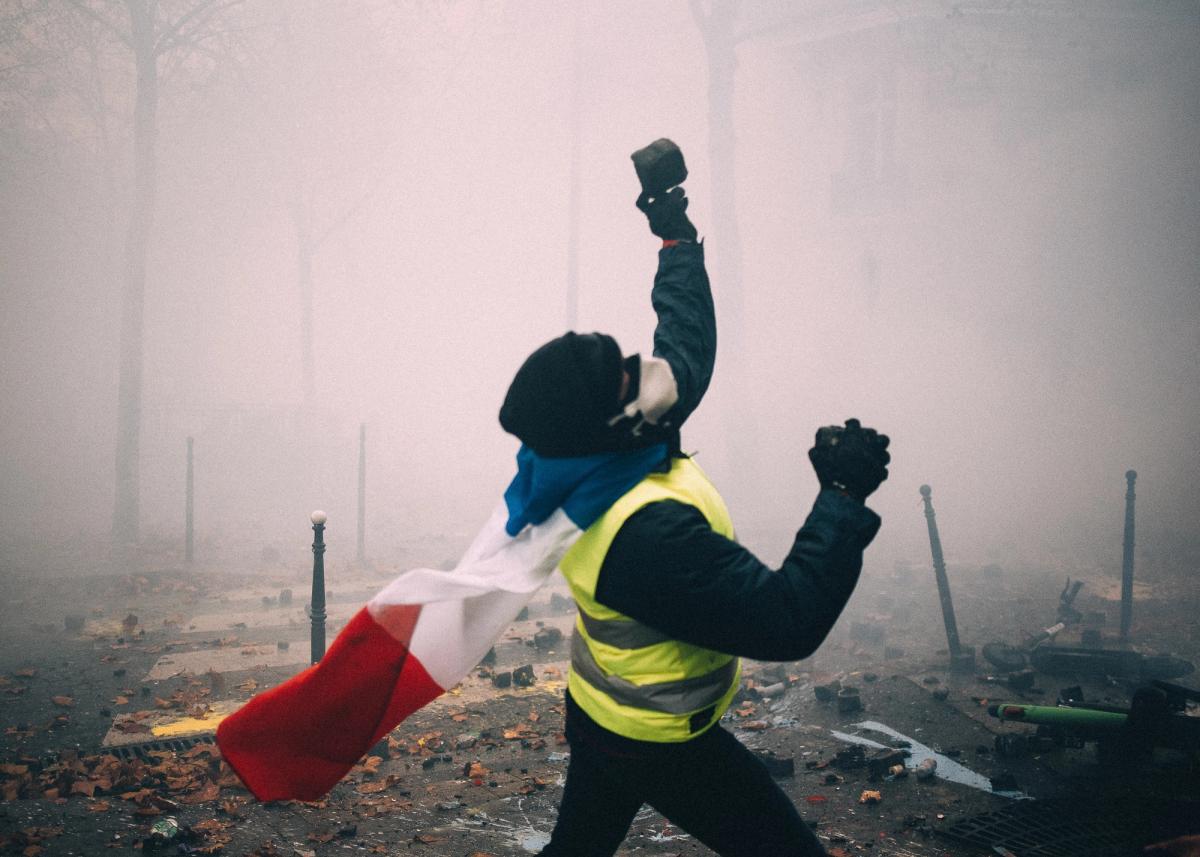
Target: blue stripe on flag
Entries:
(583, 487)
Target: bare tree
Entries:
(57, 112)
(321, 194)
(72, 46)
(717, 25)
(718, 28)
(150, 31)
(575, 187)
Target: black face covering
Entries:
(566, 399)
(562, 397)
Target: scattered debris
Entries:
(848, 700)
(523, 676)
(547, 637)
(777, 766)
(162, 832)
(884, 760)
(850, 758)
(827, 691)
(496, 746)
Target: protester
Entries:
(667, 598)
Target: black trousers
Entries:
(712, 787)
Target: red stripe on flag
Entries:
(297, 740)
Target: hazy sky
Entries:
(978, 231)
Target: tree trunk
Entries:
(718, 30)
(575, 190)
(305, 250)
(137, 241)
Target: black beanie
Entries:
(564, 394)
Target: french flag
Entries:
(424, 632)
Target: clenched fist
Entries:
(850, 458)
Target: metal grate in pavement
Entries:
(138, 751)
(1052, 828)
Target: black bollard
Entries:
(962, 658)
(362, 493)
(1127, 558)
(189, 506)
(317, 610)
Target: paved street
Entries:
(107, 728)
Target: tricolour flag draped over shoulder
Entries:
(424, 632)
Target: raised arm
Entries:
(686, 335)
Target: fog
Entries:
(973, 225)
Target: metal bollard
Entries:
(1127, 558)
(317, 609)
(962, 658)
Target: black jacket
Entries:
(668, 569)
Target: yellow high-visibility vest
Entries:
(628, 677)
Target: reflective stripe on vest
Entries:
(630, 678)
(620, 633)
(669, 697)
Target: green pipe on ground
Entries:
(1051, 715)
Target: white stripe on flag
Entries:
(466, 609)
(494, 561)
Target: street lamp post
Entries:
(317, 610)
(1127, 558)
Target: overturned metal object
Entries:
(1015, 658)
(1005, 657)
(1112, 662)
(1156, 718)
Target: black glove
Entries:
(851, 459)
(667, 214)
